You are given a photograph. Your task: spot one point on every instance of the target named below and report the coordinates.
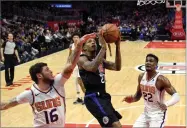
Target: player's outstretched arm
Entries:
(138, 94)
(93, 65)
(6, 105)
(74, 56)
(117, 65)
(24, 97)
(165, 84)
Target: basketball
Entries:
(110, 33)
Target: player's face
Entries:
(47, 74)
(10, 36)
(150, 64)
(91, 45)
(76, 39)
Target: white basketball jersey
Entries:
(150, 93)
(48, 107)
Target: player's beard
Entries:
(47, 80)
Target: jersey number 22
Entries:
(148, 96)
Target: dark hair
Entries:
(154, 56)
(76, 34)
(34, 69)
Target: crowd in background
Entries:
(34, 38)
(137, 22)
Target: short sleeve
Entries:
(59, 80)
(25, 97)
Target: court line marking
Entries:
(123, 108)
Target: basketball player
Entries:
(78, 80)
(47, 95)
(152, 85)
(92, 71)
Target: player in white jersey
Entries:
(78, 80)
(47, 94)
(152, 85)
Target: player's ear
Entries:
(84, 48)
(39, 75)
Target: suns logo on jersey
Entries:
(150, 89)
(50, 103)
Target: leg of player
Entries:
(141, 122)
(81, 84)
(116, 125)
(78, 100)
(102, 110)
(157, 119)
(157, 124)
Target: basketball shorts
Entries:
(154, 119)
(100, 106)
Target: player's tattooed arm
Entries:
(93, 65)
(6, 105)
(117, 65)
(138, 94)
(74, 56)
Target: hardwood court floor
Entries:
(119, 84)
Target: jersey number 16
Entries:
(53, 116)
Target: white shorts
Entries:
(76, 72)
(154, 119)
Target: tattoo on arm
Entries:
(98, 60)
(109, 65)
(92, 66)
(117, 65)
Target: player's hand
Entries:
(2, 106)
(101, 39)
(128, 99)
(162, 106)
(119, 40)
(86, 37)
